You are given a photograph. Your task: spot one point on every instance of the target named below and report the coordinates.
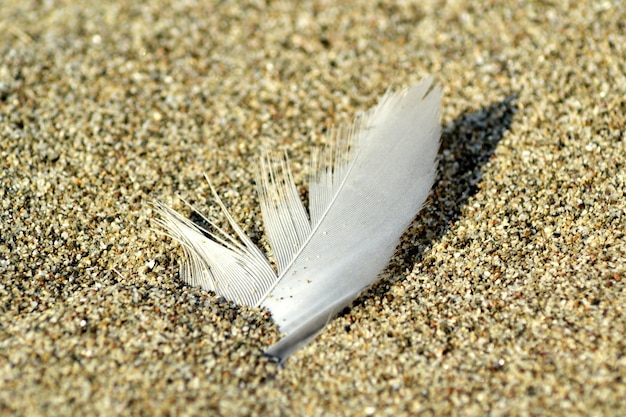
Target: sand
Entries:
(506, 295)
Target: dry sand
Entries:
(506, 296)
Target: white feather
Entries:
(364, 190)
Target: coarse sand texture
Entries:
(505, 297)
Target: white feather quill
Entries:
(364, 190)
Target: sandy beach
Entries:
(505, 297)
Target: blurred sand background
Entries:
(506, 295)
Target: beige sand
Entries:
(505, 297)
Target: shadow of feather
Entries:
(467, 143)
